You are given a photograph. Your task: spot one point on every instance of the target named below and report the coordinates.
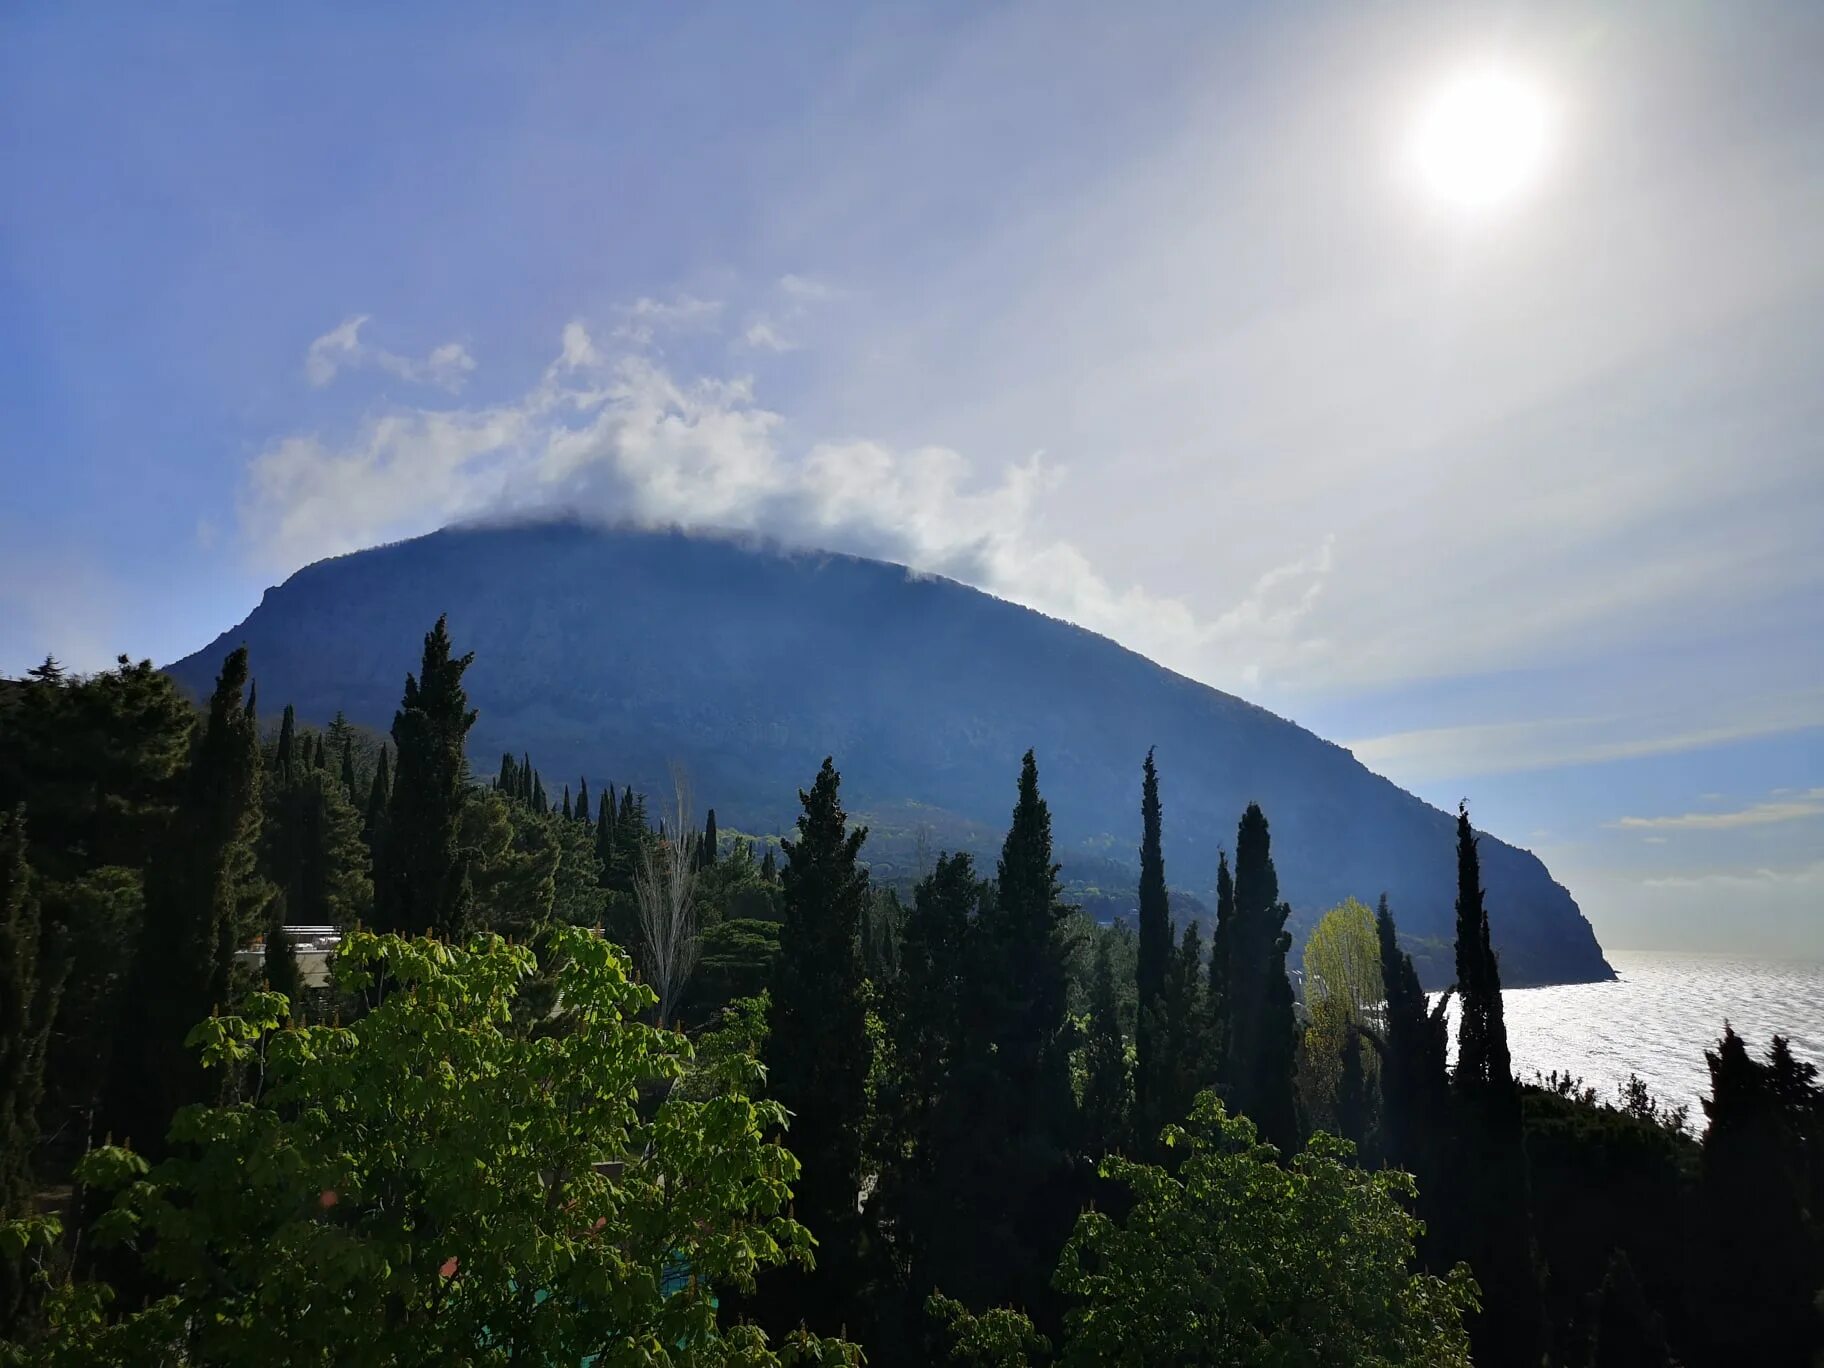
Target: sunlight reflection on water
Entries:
(1660, 1016)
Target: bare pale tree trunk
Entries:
(664, 889)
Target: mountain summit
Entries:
(613, 653)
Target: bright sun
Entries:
(1482, 138)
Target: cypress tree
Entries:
(1153, 962)
(506, 783)
(1483, 1063)
(1760, 1254)
(540, 804)
(1414, 1060)
(1185, 1046)
(379, 799)
(422, 881)
(31, 978)
(1013, 1189)
(203, 898)
(286, 754)
(604, 833)
(769, 869)
(818, 1053)
(1107, 1088)
(1028, 927)
(322, 755)
(314, 852)
(1628, 1332)
(281, 959)
(568, 815)
(1261, 1050)
(709, 839)
(1490, 1218)
(525, 777)
(1352, 1106)
(582, 801)
(1220, 968)
(349, 788)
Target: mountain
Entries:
(612, 653)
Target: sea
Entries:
(1657, 1019)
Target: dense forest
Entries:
(589, 1079)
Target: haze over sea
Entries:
(1657, 1019)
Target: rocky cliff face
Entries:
(615, 653)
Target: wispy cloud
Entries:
(612, 433)
(1802, 875)
(646, 319)
(341, 348)
(761, 335)
(1554, 743)
(1788, 809)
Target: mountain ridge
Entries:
(616, 651)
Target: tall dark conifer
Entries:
(349, 787)
(818, 1053)
(568, 815)
(31, 974)
(1154, 959)
(280, 963)
(582, 802)
(708, 847)
(1220, 938)
(1261, 1049)
(1489, 1221)
(422, 881)
(285, 755)
(202, 902)
(1012, 1133)
(506, 783)
(1107, 1085)
(379, 799)
(1414, 1048)
(1184, 1048)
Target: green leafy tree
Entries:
(819, 1053)
(421, 878)
(203, 901)
(1343, 995)
(431, 1185)
(1235, 1258)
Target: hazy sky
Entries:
(1142, 316)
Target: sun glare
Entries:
(1482, 139)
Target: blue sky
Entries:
(1135, 314)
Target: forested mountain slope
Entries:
(611, 653)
